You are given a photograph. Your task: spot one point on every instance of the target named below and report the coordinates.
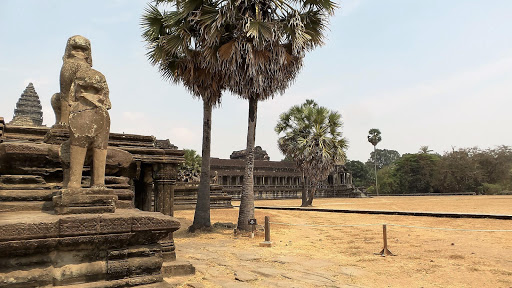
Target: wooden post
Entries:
(385, 251)
(267, 229)
(267, 242)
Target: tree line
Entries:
(484, 171)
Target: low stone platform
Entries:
(118, 249)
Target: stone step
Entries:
(25, 187)
(177, 268)
(21, 180)
(124, 204)
(118, 186)
(123, 194)
(16, 206)
(147, 281)
(27, 195)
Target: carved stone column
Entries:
(164, 176)
(147, 193)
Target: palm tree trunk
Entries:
(202, 213)
(311, 195)
(375, 162)
(247, 199)
(304, 192)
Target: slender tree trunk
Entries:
(311, 195)
(247, 199)
(304, 192)
(375, 162)
(202, 213)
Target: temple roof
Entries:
(259, 154)
(29, 111)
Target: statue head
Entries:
(78, 47)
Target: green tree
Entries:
(192, 160)
(361, 175)
(388, 181)
(495, 164)
(174, 44)
(259, 46)
(311, 136)
(386, 158)
(374, 138)
(458, 171)
(416, 173)
(425, 150)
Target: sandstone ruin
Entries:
(85, 231)
(28, 110)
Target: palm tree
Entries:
(312, 138)
(425, 150)
(173, 41)
(374, 138)
(259, 45)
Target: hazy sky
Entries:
(436, 73)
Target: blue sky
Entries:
(436, 73)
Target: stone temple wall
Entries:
(277, 179)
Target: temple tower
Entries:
(28, 110)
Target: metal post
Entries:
(385, 251)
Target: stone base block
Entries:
(177, 268)
(266, 244)
(85, 200)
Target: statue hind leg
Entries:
(56, 105)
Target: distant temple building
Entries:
(275, 179)
(259, 154)
(28, 110)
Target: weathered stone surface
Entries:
(277, 179)
(2, 127)
(28, 110)
(177, 268)
(77, 57)
(123, 248)
(245, 276)
(65, 250)
(23, 158)
(185, 196)
(259, 154)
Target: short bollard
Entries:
(385, 251)
(253, 223)
(267, 242)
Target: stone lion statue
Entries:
(77, 56)
(89, 126)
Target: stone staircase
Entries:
(33, 193)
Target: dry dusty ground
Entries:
(337, 256)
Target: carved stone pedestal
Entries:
(118, 249)
(85, 200)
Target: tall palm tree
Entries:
(173, 41)
(374, 138)
(259, 45)
(312, 138)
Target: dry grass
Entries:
(425, 258)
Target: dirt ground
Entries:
(313, 249)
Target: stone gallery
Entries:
(68, 193)
(276, 179)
